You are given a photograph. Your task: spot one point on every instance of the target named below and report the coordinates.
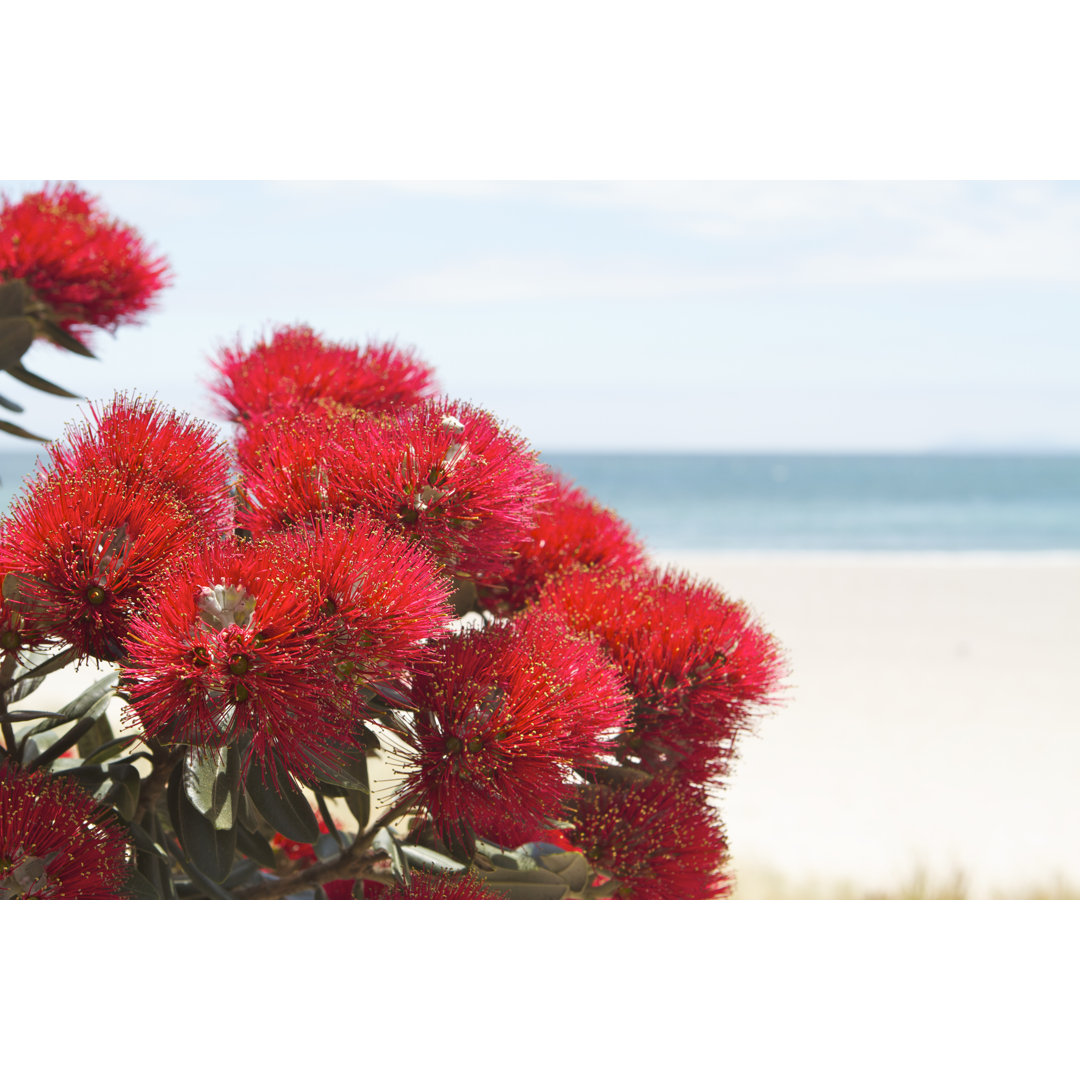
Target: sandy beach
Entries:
(931, 725)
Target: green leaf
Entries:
(38, 672)
(255, 846)
(110, 749)
(526, 884)
(212, 785)
(14, 297)
(67, 740)
(386, 841)
(11, 406)
(94, 699)
(344, 769)
(55, 333)
(22, 433)
(282, 804)
(139, 887)
(16, 336)
(359, 803)
(427, 859)
(124, 793)
(17, 371)
(210, 850)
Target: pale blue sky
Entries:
(726, 316)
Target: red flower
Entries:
(82, 552)
(695, 661)
(442, 472)
(377, 597)
(661, 840)
(423, 886)
(144, 441)
(228, 649)
(56, 842)
(503, 717)
(89, 269)
(296, 369)
(572, 529)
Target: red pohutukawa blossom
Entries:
(661, 840)
(443, 473)
(297, 368)
(503, 717)
(55, 841)
(229, 648)
(83, 550)
(572, 529)
(88, 268)
(695, 661)
(377, 597)
(144, 441)
(423, 886)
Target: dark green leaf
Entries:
(17, 371)
(255, 846)
(59, 336)
(14, 296)
(110, 749)
(345, 768)
(94, 699)
(281, 802)
(124, 793)
(139, 887)
(359, 803)
(22, 716)
(46, 667)
(427, 859)
(212, 785)
(11, 406)
(16, 336)
(209, 850)
(22, 433)
(527, 884)
(64, 742)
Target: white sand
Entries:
(932, 723)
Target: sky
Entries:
(696, 316)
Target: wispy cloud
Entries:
(777, 234)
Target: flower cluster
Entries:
(371, 576)
(442, 473)
(503, 718)
(56, 842)
(83, 269)
(572, 530)
(296, 370)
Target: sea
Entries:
(946, 502)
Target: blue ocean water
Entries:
(818, 502)
(849, 502)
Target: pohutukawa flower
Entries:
(83, 268)
(144, 441)
(442, 472)
(696, 662)
(56, 843)
(82, 551)
(661, 840)
(229, 649)
(377, 597)
(572, 529)
(296, 367)
(423, 886)
(503, 718)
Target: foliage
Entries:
(370, 649)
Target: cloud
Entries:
(761, 235)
